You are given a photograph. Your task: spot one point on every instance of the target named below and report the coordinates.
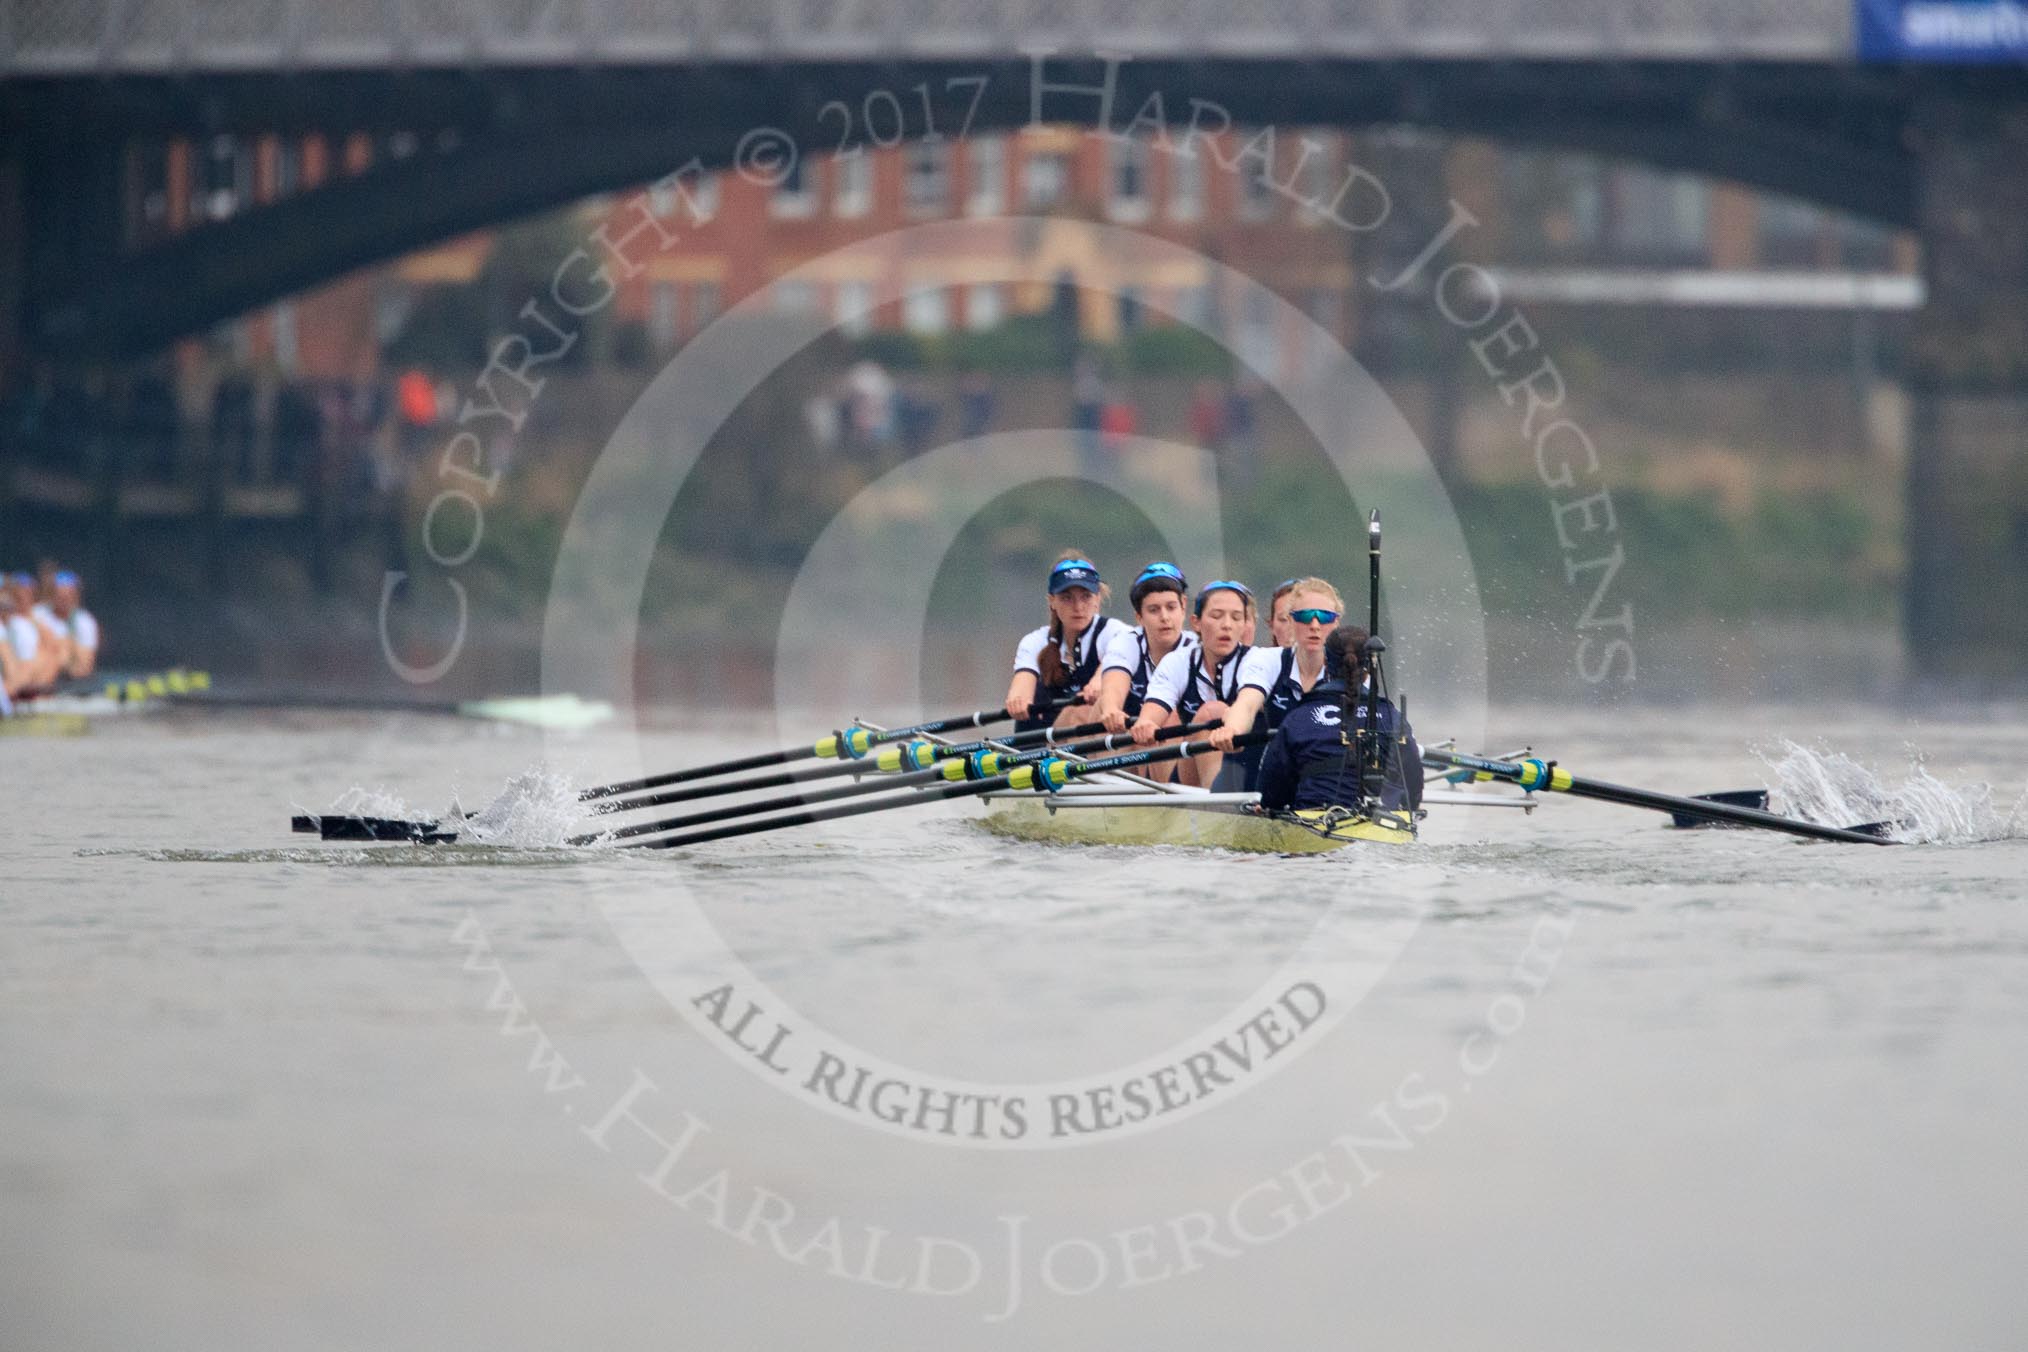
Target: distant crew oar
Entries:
(1535, 775)
(845, 744)
(916, 755)
(956, 763)
(1044, 775)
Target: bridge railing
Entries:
(78, 37)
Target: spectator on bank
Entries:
(916, 418)
(871, 391)
(1120, 420)
(151, 425)
(1207, 415)
(298, 431)
(1087, 409)
(977, 403)
(232, 424)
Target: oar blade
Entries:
(1753, 798)
(338, 826)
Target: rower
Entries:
(14, 669)
(1199, 684)
(63, 611)
(1060, 661)
(38, 661)
(1314, 758)
(1311, 612)
(1279, 629)
(1159, 596)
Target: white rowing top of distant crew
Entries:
(46, 634)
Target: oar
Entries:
(845, 744)
(958, 763)
(1534, 774)
(916, 755)
(1044, 775)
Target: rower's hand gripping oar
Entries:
(1536, 775)
(957, 763)
(1045, 775)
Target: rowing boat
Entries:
(1216, 820)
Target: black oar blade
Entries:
(1753, 798)
(333, 826)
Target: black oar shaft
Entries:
(861, 766)
(1020, 778)
(906, 779)
(828, 746)
(1538, 775)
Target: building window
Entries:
(703, 305)
(928, 178)
(1256, 189)
(695, 194)
(1186, 185)
(1316, 177)
(1045, 179)
(1193, 306)
(926, 309)
(983, 306)
(852, 184)
(853, 307)
(1660, 217)
(797, 297)
(1259, 341)
(1792, 232)
(662, 315)
(1128, 173)
(794, 198)
(287, 350)
(288, 166)
(1327, 307)
(150, 218)
(226, 183)
(986, 193)
(1130, 308)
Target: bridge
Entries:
(515, 105)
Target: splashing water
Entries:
(1831, 788)
(358, 802)
(537, 808)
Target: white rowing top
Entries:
(23, 637)
(1028, 656)
(82, 627)
(1124, 648)
(1259, 668)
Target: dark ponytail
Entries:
(1053, 671)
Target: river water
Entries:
(1550, 1080)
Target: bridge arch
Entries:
(522, 140)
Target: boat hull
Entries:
(1067, 822)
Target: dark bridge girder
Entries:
(525, 140)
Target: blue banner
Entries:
(1956, 31)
